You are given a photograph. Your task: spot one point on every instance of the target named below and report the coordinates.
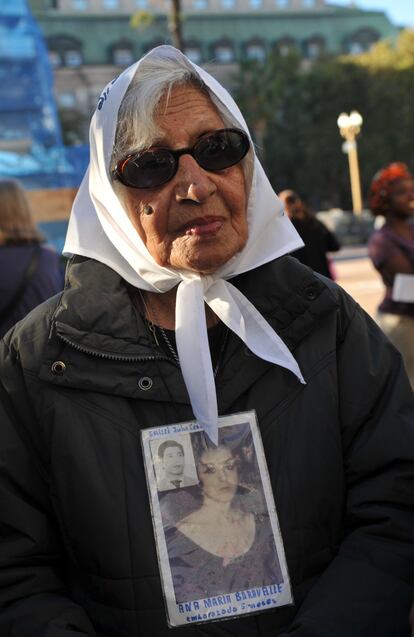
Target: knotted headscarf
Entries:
(99, 228)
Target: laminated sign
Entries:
(220, 550)
(403, 288)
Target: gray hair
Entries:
(155, 78)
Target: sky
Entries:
(400, 12)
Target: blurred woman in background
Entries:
(30, 273)
(391, 249)
(318, 239)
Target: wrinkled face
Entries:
(218, 473)
(401, 198)
(199, 217)
(173, 461)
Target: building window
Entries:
(200, 4)
(193, 52)
(282, 4)
(256, 51)
(80, 5)
(111, 4)
(54, 59)
(255, 4)
(65, 51)
(355, 48)
(285, 46)
(224, 53)
(73, 58)
(362, 41)
(122, 57)
(314, 48)
(67, 100)
(228, 4)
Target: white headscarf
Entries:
(100, 228)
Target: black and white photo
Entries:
(172, 464)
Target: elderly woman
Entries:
(391, 249)
(151, 331)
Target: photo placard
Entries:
(220, 551)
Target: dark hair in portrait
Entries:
(168, 443)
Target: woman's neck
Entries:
(400, 226)
(214, 509)
(160, 309)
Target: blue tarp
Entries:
(31, 147)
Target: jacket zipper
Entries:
(114, 357)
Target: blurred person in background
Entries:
(391, 249)
(30, 272)
(317, 238)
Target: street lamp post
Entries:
(350, 127)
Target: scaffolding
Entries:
(31, 146)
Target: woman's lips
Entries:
(203, 226)
(225, 489)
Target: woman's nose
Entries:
(193, 183)
(221, 474)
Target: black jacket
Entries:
(77, 551)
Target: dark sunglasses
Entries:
(152, 168)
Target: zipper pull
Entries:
(153, 332)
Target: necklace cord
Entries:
(153, 324)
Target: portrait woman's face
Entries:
(401, 198)
(198, 220)
(218, 473)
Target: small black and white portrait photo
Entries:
(174, 464)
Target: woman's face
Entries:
(292, 203)
(401, 198)
(199, 218)
(218, 473)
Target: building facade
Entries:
(90, 41)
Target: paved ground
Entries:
(358, 277)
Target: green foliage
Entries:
(292, 112)
(383, 55)
(141, 20)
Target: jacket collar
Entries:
(96, 317)
(97, 312)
